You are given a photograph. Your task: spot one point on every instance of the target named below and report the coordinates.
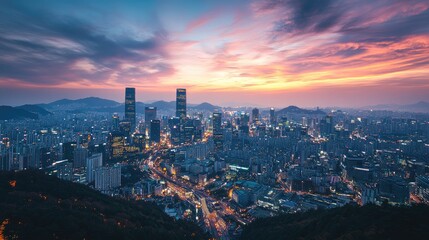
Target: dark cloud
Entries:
(305, 15)
(40, 47)
(355, 20)
(394, 29)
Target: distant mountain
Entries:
(163, 105)
(419, 107)
(34, 109)
(297, 110)
(416, 107)
(38, 206)
(348, 222)
(205, 106)
(8, 112)
(84, 104)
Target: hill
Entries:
(34, 109)
(205, 106)
(84, 104)
(164, 105)
(419, 107)
(36, 206)
(300, 111)
(348, 222)
(8, 112)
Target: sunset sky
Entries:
(256, 53)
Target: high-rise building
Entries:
(181, 103)
(79, 158)
(107, 178)
(244, 123)
(272, 116)
(115, 122)
(130, 107)
(255, 115)
(394, 189)
(188, 134)
(155, 130)
(92, 163)
(174, 126)
(244, 119)
(68, 150)
(326, 126)
(149, 114)
(218, 141)
(217, 123)
(117, 144)
(34, 158)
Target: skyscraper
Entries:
(217, 123)
(272, 116)
(326, 126)
(155, 130)
(255, 115)
(174, 125)
(107, 178)
(244, 119)
(115, 121)
(181, 103)
(80, 156)
(130, 107)
(149, 115)
(92, 163)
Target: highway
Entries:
(213, 219)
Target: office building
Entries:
(272, 116)
(181, 103)
(107, 178)
(155, 130)
(79, 158)
(92, 163)
(149, 115)
(394, 189)
(34, 158)
(255, 115)
(174, 126)
(217, 123)
(130, 107)
(68, 150)
(115, 121)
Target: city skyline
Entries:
(254, 53)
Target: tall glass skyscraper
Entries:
(217, 123)
(181, 103)
(130, 107)
(149, 114)
(155, 130)
(272, 116)
(255, 115)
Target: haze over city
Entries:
(263, 53)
